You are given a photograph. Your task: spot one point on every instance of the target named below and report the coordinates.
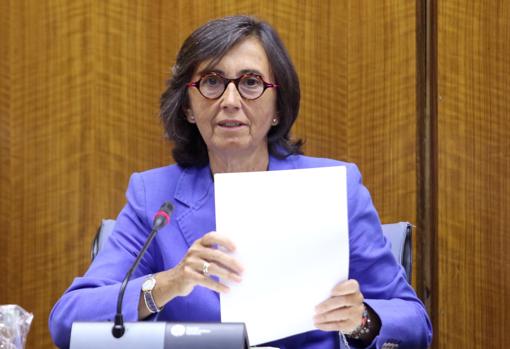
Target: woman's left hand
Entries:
(343, 310)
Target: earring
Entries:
(274, 122)
(188, 113)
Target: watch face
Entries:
(148, 284)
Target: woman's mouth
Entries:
(230, 123)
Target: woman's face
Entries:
(231, 125)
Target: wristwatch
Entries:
(147, 287)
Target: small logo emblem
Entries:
(178, 330)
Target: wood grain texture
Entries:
(80, 114)
(426, 153)
(49, 96)
(381, 103)
(5, 148)
(474, 159)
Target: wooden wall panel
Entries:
(474, 163)
(80, 114)
(5, 138)
(49, 97)
(379, 113)
(381, 103)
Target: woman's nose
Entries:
(231, 97)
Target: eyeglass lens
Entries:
(249, 86)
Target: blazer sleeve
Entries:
(93, 297)
(382, 280)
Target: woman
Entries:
(229, 107)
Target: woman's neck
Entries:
(221, 163)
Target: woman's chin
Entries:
(233, 147)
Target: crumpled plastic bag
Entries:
(14, 326)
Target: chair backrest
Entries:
(399, 235)
(102, 234)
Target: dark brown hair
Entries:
(211, 42)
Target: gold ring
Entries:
(205, 268)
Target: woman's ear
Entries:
(189, 115)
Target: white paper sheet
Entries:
(291, 232)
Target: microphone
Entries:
(161, 218)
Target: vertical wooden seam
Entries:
(426, 103)
(5, 147)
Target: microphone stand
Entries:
(160, 220)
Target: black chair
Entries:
(399, 235)
(103, 232)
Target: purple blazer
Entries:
(93, 296)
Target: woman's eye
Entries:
(211, 80)
(251, 82)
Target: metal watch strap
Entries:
(150, 303)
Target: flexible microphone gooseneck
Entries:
(161, 218)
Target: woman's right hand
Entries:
(208, 249)
(213, 248)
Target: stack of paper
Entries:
(291, 232)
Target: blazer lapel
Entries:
(195, 193)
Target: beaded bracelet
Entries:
(363, 328)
